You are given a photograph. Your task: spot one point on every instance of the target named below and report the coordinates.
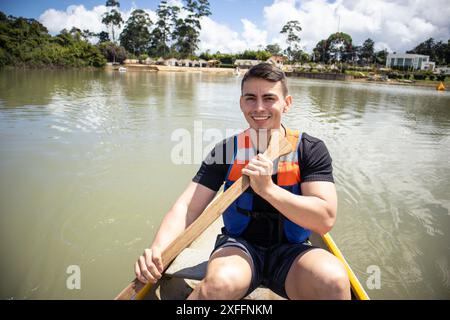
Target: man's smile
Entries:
(260, 117)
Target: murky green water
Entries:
(86, 174)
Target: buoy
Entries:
(440, 87)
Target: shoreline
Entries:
(157, 68)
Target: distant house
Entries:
(161, 62)
(149, 61)
(131, 61)
(171, 62)
(246, 64)
(409, 60)
(203, 63)
(277, 60)
(213, 63)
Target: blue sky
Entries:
(237, 25)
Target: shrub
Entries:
(419, 76)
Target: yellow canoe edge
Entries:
(356, 286)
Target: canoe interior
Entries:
(190, 266)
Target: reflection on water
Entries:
(86, 174)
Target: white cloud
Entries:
(253, 36)
(397, 25)
(218, 37)
(78, 16)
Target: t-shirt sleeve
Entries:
(315, 160)
(214, 168)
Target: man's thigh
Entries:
(317, 274)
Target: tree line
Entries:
(175, 33)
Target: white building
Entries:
(409, 60)
(442, 70)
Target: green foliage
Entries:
(103, 37)
(187, 31)
(438, 52)
(135, 37)
(162, 33)
(367, 52)
(381, 56)
(26, 42)
(339, 46)
(419, 76)
(273, 49)
(320, 52)
(292, 29)
(142, 57)
(112, 18)
(112, 52)
(229, 58)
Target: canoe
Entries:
(189, 268)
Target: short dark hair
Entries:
(267, 72)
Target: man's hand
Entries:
(149, 266)
(260, 170)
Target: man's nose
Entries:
(259, 104)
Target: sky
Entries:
(237, 25)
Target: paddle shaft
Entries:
(136, 289)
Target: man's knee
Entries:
(321, 277)
(334, 282)
(226, 282)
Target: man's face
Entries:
(263, 103)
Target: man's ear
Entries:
(240, 102)
(287, 103)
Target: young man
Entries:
(265, 238)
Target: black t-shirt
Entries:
(314, 160)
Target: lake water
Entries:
(87, 173)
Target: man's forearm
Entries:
(173, 224)
(309, 212)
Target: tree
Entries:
(161, 34)
(320, 52)
(273, 49)
(112, 18)
(135, 37)
(103, 37)
(112, 52)
(187, 31)
(86, 34)
(381, 56)
(367, 52)
(339, 46)
(26, 42)
(292, 29)
(437, 51)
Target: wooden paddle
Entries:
(136, 290)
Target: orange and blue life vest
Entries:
(287, 170)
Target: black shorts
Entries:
(270, 265)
